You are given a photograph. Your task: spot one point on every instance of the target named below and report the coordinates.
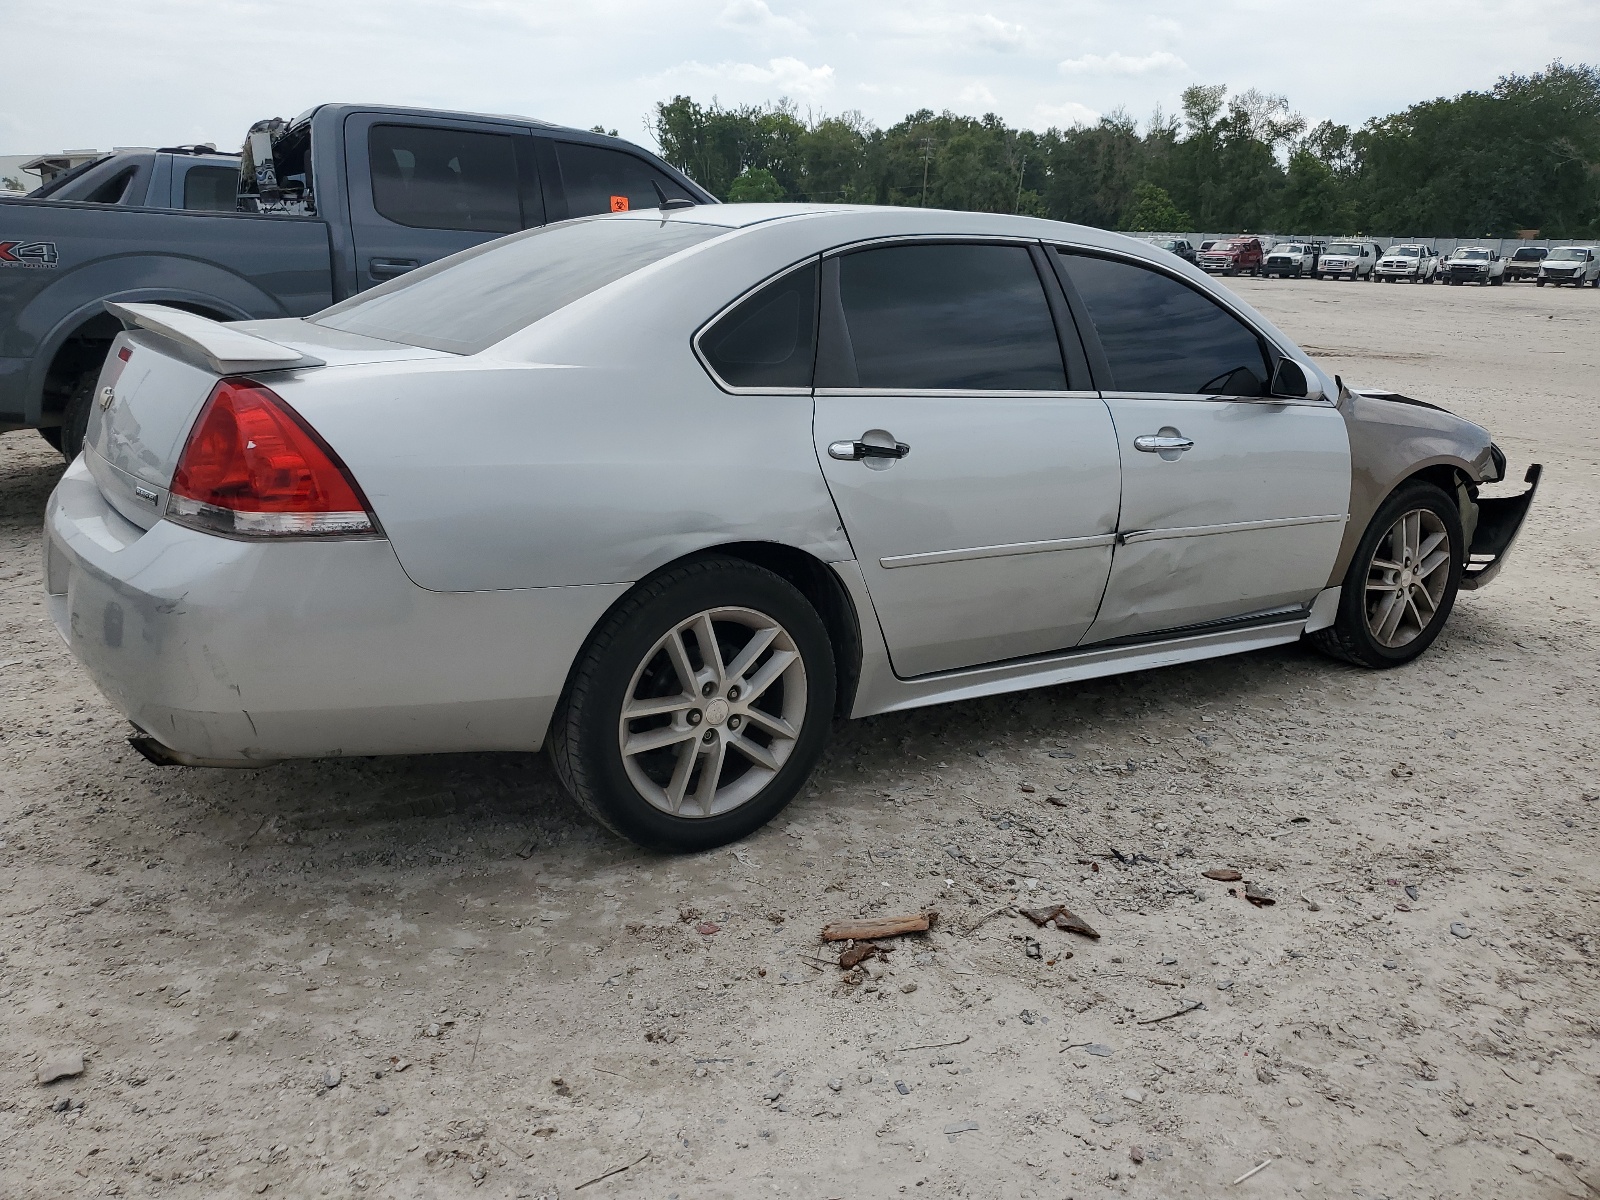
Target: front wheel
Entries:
(699, 707)
(1402, 581)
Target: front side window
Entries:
(434, 178)
(598, 179)
(471, 300)
(211, 189)
(948, 317)
(1160, 335)
(768, 340)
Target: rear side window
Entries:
(948, 317)
(433, 178)
(213, 189)
(112, 190)
(768, 340)
(598, 179)
(1161, 335)
(470, 301)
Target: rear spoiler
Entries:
(227, 350)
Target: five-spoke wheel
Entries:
(1402, 580)
(699, 706)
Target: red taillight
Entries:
(252, 467)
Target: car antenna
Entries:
(669, 204)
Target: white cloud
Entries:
(754, 16)
(1124, 64)
(780, 77)
(961, 33)
(975, 93)
(1068, 114)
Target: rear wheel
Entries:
(699, 707)
(1402, 581)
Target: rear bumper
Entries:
(245, 652)
(1499, 521)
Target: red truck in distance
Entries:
(1234, 256)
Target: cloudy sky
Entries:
(91, 73)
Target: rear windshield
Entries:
(470, 301)
(1529, 254)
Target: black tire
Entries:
(584, 733)
(75, 417)
(1350, 636)
(52, 434)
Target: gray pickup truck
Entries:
(341, 198)
(193, 177)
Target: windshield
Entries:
(1344, 248)
(1569, 254)
(1165, 243)
(470, 301)
(1473, 255)
(1291, 248)
(1235, 246)
(1405, 252)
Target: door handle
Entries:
(1161, 443)
(388, 268)
(856, 451)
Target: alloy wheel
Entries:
(1407, 577)
(713, 712)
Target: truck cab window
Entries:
(211, 189)
(436, 178)
(598, 179)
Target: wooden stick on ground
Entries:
(933, 1045)
(613, 1171)
(880, 927)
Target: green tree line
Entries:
(1524, 154)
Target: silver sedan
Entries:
(668, 492)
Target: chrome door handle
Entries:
(1159, 443)
(856, 451)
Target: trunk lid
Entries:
(159, 374)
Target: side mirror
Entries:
(1289, 380)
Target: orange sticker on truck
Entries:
(619, 204)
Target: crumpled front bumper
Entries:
(1499, 521)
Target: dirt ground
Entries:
(431, 977)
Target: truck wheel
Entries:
(1402, 581)
(698, 709)
(75, 417)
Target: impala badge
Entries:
(145, 494)
(107, 398)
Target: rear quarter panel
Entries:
(592, 448)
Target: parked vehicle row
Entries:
(1409, 262)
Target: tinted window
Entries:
(470, 301)
(600, 180)
(770, 339)
(1161, 335)
(444, 178)
(949, 316)
(112, 190)
(214, 189)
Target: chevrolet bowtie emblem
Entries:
(107, 398)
